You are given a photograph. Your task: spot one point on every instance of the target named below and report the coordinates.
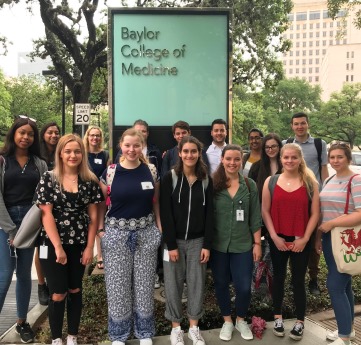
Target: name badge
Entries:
(98, 161)
(240, 215)
(147, 185)
(43, 254)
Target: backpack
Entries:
(110, 177)
(318, 145)
(175, 180)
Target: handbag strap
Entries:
(348, 193)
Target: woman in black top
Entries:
(20, 171)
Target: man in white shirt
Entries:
(214, 151)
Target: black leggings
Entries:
(298, 265)
(61, 279)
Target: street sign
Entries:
(82, 114)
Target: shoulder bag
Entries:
(346, 244)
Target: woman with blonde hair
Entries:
(130, 239)
(290, 211)
(98, 159)
(67, 197)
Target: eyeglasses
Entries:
(272, 147)
(255, 138)
(94, 135)
(26, 117)
(340, 144)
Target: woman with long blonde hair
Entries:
(290, 211)
(67, 197)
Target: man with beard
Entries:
(214, 151)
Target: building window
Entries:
(315, 15)
(318, 51)
(290, 17)
(341, 13)
(324, 33)
(291, 36)
(347, 78)
(323, 52)
(303, 61)
(337, 42)
(311, 35)
(310, 70)
(311, 26)
(317, 43)
(301, 16)
(290, 71)
(317, 25)
(297, 44)
(338, 24)
(284, 62)
(297, 53)
(331, 25)
(304, 44)
(317, 34)
(297, 70)
(351, 77)
(310, 79)
(304, 35)
(317, 70)
(325, 14)
(303, 78)
(304, 26)
(347, 67)
(324, 25)
(317, 61)
(344, 41)
(351, 66)
(310, 61)
(304, 52)
(303, 70)
(352, 55)
(291, 53)
(331, 33)
(291, 27)
(310, 44)
(298, 26)
(324, 42)
(331, 43)
(310, 52)
(348, 54)
(297, 35)
(297, 62)
(291, 62)
(317, 78)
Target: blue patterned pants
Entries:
(130, 258)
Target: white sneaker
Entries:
(156, 282)
(117, 342)
(146, 341)
(176, 336)
(334, 335)
(71, 340)
(57, 341)
(243, 328)
(226, 331)
(194, 334)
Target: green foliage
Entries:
(334, 6)
(5, 107)
(340, 117)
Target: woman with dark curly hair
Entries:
(20, 172)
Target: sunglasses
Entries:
(27, 118)
(340, 144)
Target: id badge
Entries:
(43, 253)
(240, 215)
(166, 255)
(98, 161)
(147, 185)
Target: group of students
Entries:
(200, 218)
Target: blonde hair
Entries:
(86, 138)
(83, 169)
(134, 133)
(306, 174)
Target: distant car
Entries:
(355, 164)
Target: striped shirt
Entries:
(333, 197)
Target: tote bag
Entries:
(29, 229)
(346, 244)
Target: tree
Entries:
(340, 117)
(5, 104)
(290, 96)
(334, 7)
(31, 96)
(257, 28)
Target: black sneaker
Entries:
(297, 331)
(314, 288)
(43, 294)
(278, 328)
(26, 333)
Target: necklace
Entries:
(74, 180)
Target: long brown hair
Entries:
(220, 179)
(83, 169)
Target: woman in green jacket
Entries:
(237, 239)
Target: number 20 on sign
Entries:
(82, 113)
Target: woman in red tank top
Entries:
(290, 213)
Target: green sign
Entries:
(169, 65)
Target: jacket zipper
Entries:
(189, 210)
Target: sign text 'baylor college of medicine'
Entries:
(155, 59)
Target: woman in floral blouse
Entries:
(67, 197)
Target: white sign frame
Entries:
(82, 113)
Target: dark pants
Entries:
(60, 279)
(314, 259)
(298, 268)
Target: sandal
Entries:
(100, 264)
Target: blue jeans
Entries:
(339, 286)
(239, 266)
(22, 263)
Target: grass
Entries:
(94, 327)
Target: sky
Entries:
(21, 28)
